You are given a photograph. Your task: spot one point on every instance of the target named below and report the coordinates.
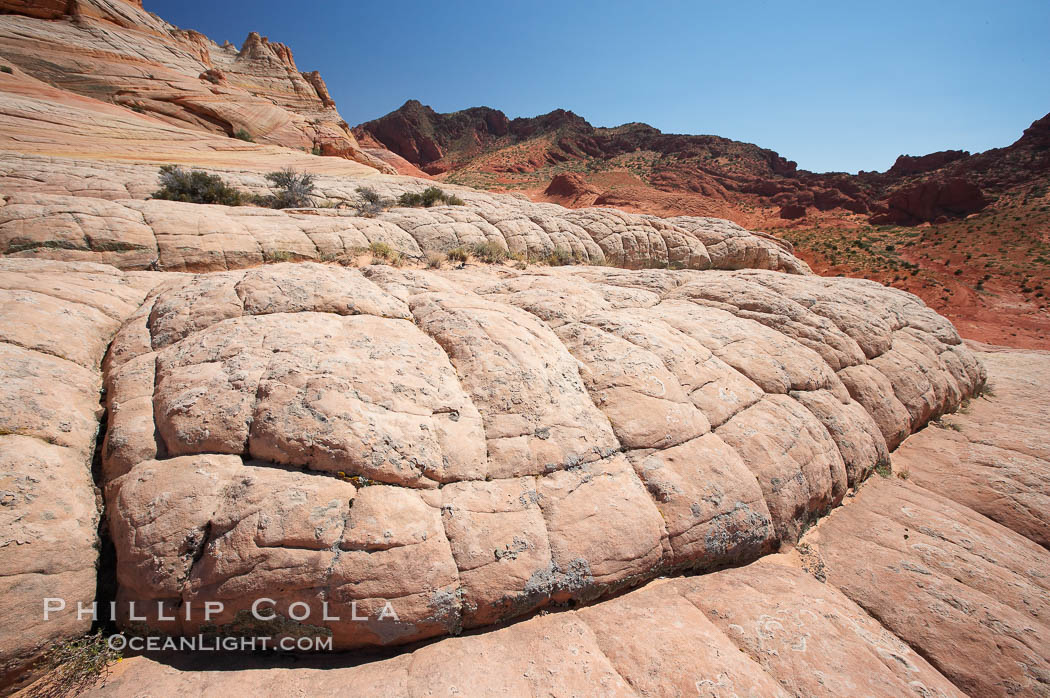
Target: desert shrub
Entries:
(195, 187)
(293, 189)
(73, 666)
(435, 260)
(316, 150)
(6, 69)
(369, 195)
(410, 200)
(939, 422)
(380, 249)
(382, 252)
(431, 196)
(489, 252)
(371, 202)
(242, 134)
(458, 254)
(276, 256)
(560, 257)
(985, 390)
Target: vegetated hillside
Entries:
(983, 262)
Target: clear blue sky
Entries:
(831, 84)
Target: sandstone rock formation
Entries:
(932, 200)
(968, 595)
(571, 190)
(56, 321)
(115, 51)
(752, 632)
(469, 446)
(524, 451)
(901, 592)
(995, 454)
(88, 218)
(656, 479)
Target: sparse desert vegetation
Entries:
(195, 187)
(431, 196)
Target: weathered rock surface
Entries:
(994, 453)
(79, 211)
(969, 595)
(471, 445)
(765, 630)
(56, 321)
(468, 446)
(900, 592)
(40, 119)
(115, 51)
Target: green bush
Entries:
(371, 202)
(6, 69)
(458, 254)
(195, 187)
(560, 257)
(293, 189)
(242, 134)
(489, 253)
(369, 195)
(316, 150)
(73, 666)
(276, 256)
(382, 252)
(431, 196)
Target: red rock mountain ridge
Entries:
(481, 146)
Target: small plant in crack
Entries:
(357, 480)
(73, 666)
(276, 256)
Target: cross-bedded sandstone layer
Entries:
(115, 51)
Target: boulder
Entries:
(571, 189)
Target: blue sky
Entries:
(834, 85)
